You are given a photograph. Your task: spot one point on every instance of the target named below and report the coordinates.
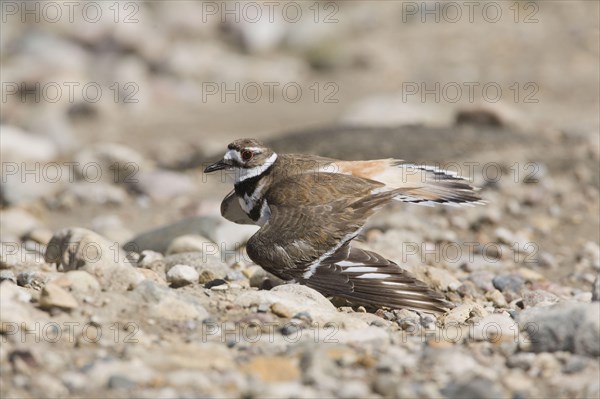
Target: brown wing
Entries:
(312, 215)
(366, 278)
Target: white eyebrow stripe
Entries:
(257, 150)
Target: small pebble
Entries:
(120, 382)
(510, 282)
(180, 275)
(206, 276)
(215, 283)
(55, 297)
(33, 280)
(148, 257)
(497, 298)
(280, 310)
(8, 275)
(263, 308)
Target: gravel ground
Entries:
(119, 278)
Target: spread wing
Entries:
(313, 217)
(418, 184)
(366, 278)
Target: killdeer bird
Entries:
(311, 207)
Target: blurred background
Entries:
(110, 111)
(166, 85)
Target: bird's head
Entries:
(247, 157)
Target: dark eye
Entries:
(247, 155)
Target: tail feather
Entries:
(437, 186)
(418, 184)
(368, 279)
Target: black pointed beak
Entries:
(220, 165)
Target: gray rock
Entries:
(113, 228)
(532, 298)
(383, 111)
(230, 236)
(45, 181)
(354, 389)
(476, 387)
(159, 239)
(498, 327)
(8, 275)
(509, 282)
(110, 163)
(463, 312)
(302, 299)
(596, 289)
(497, 298)
(368, 335)
(74, 248)
(101, 371)
(11, 253)
(575, 364)
(74, 381)
(482, 280)
(100, 193)
(504, 235)
(17, 313)
(19, 146)
(11, 292)
(455, 362)
(162, 185)
(591, 250)
(199, 261)
(82, 282)
(260, 278)
(148, 257)
(442, 279)
(168, 304)
(193, 243)
(573, 327)
(180, 275)
(17, 222)
(482, 263)
(521, 360)
(120, 382)
(547, 260)
(40, 235)
(77, 248)
(45, 385)
(235, 275)
(33, 280)
(54, 296)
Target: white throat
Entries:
(242, 174)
